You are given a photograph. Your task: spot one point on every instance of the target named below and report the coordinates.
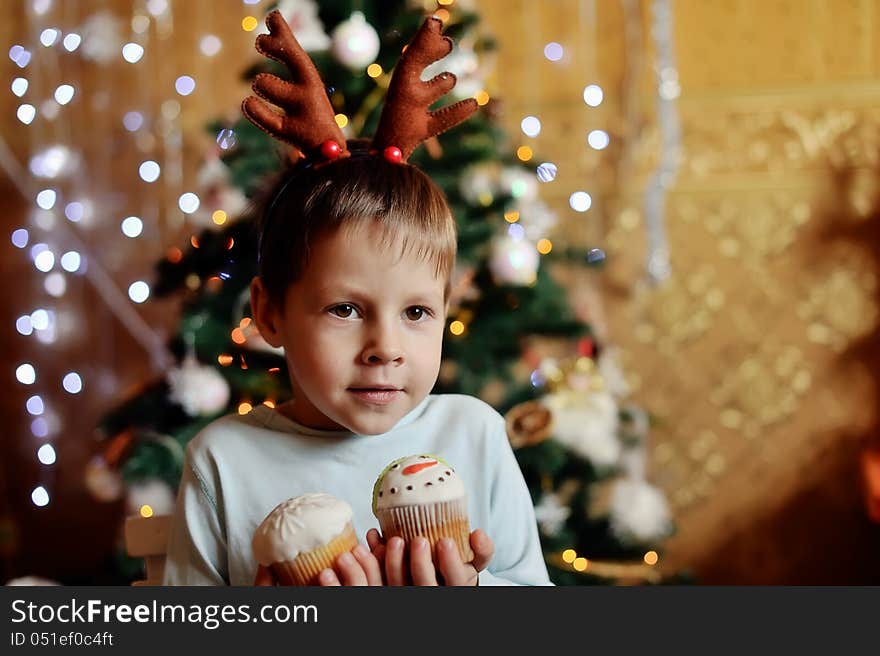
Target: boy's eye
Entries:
(343, 310)
(416, 313)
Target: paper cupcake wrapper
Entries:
(304, 569)
(444, 519)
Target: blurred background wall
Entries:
(755, 351)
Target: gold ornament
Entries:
(528, 424)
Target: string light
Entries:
(511, 216)
(374, 70)
(19, 86)
(139, 291)
(580, 563)
(188, 202)
(133, 121)
(598, 139)
(210, 45)
(224, 359)
(553, 51)
(651, 558)
(74, 211)
(20, 237)
(40, 496)
(219, 217)
(49, 36)
(544, 246)
(248, 23)
(580, 201)
(132, 226)
(23, 325)
(546, 171)
(531, 126)
(44, 261)
(46, 454)
(569, 555)
(524, 153)
(245, 408)
(341, 120)
(72, 383)
(149, 171)
(55, 284)
(593, 95)
(40, 427)
(71, 261)
(238, 336)
(456, 328)
(146, 510)
(25, 113)
(71, 41)
(184, 85)
(35, 405)
(226, 138)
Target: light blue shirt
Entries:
(239, 468)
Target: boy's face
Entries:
(362, 332)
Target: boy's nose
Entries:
(383, 347)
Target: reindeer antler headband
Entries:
(308, 123)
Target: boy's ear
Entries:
(265, 314)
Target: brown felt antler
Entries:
(406, 120)
(308, 123)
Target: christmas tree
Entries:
(581, 449)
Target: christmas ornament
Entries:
(586, 423)
(217, 193)
(551, 514)
(101, 37)
(199, 389)
(154, 493)
(639, 512)
(528, 424)
(355, 43)
(103, 482)
(302, 16)
(478, 184)
(513, 261)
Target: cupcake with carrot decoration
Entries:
(421, 495)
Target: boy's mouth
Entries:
(376, 395)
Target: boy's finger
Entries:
(394, 571)
(328, 578)
(351, 570)
(454, 571)
(264, 576)
(377, 545)
(368, 564)
(483, 549)
(421, 566)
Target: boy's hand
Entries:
(420, 568)
(358, 567)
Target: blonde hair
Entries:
(364, 189)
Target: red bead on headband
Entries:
(308, 122)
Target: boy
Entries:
(355, 258)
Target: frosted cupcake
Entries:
(422, 496)
(302, 536)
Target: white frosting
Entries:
(300, 524)
(409, 482)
